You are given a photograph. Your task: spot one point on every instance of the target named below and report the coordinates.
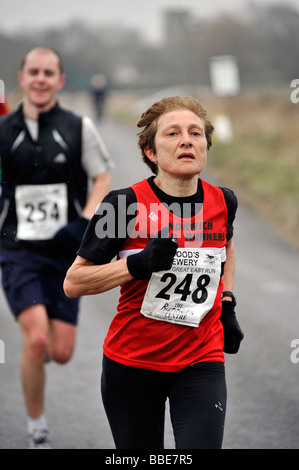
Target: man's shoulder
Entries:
(63, 111)
(6, 119)
(65, 120)
(10, 126)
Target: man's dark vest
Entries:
(54, 158)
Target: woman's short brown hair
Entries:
(150, 118)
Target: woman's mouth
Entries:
(187, 156)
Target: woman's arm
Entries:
(229, 268)
(87, 278)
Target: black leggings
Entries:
(134, 401)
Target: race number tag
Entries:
(186, 293)
(41, 210)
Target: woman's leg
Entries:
(198, 405)
(134, 401)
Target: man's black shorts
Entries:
(30, 278)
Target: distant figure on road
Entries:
(48, 157)
(172, 236)
(98, 90)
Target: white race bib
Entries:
(41, 210)
(186, 293)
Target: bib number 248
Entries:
(183, 288)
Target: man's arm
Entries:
(101, 186)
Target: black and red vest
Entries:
(138, 341)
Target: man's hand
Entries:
(71, 235)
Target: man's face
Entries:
(41, 79)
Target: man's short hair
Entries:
(44, 50)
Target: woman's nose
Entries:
(185, 140)
(186, 144)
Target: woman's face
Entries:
(181, 145)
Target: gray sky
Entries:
(142, 14)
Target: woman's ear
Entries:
(150, 154)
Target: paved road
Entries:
(262, 380)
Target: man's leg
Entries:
(41, 336)
(62, 337)
(34, 325)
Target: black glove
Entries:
(157, 255)
(70, 235)
(233, 334)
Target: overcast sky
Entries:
(142, 14)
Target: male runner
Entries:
(50, 158)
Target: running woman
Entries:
(174, 263)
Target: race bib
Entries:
(41, 210)
(186, 293)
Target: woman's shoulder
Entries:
(125, 194)
(230, 197)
